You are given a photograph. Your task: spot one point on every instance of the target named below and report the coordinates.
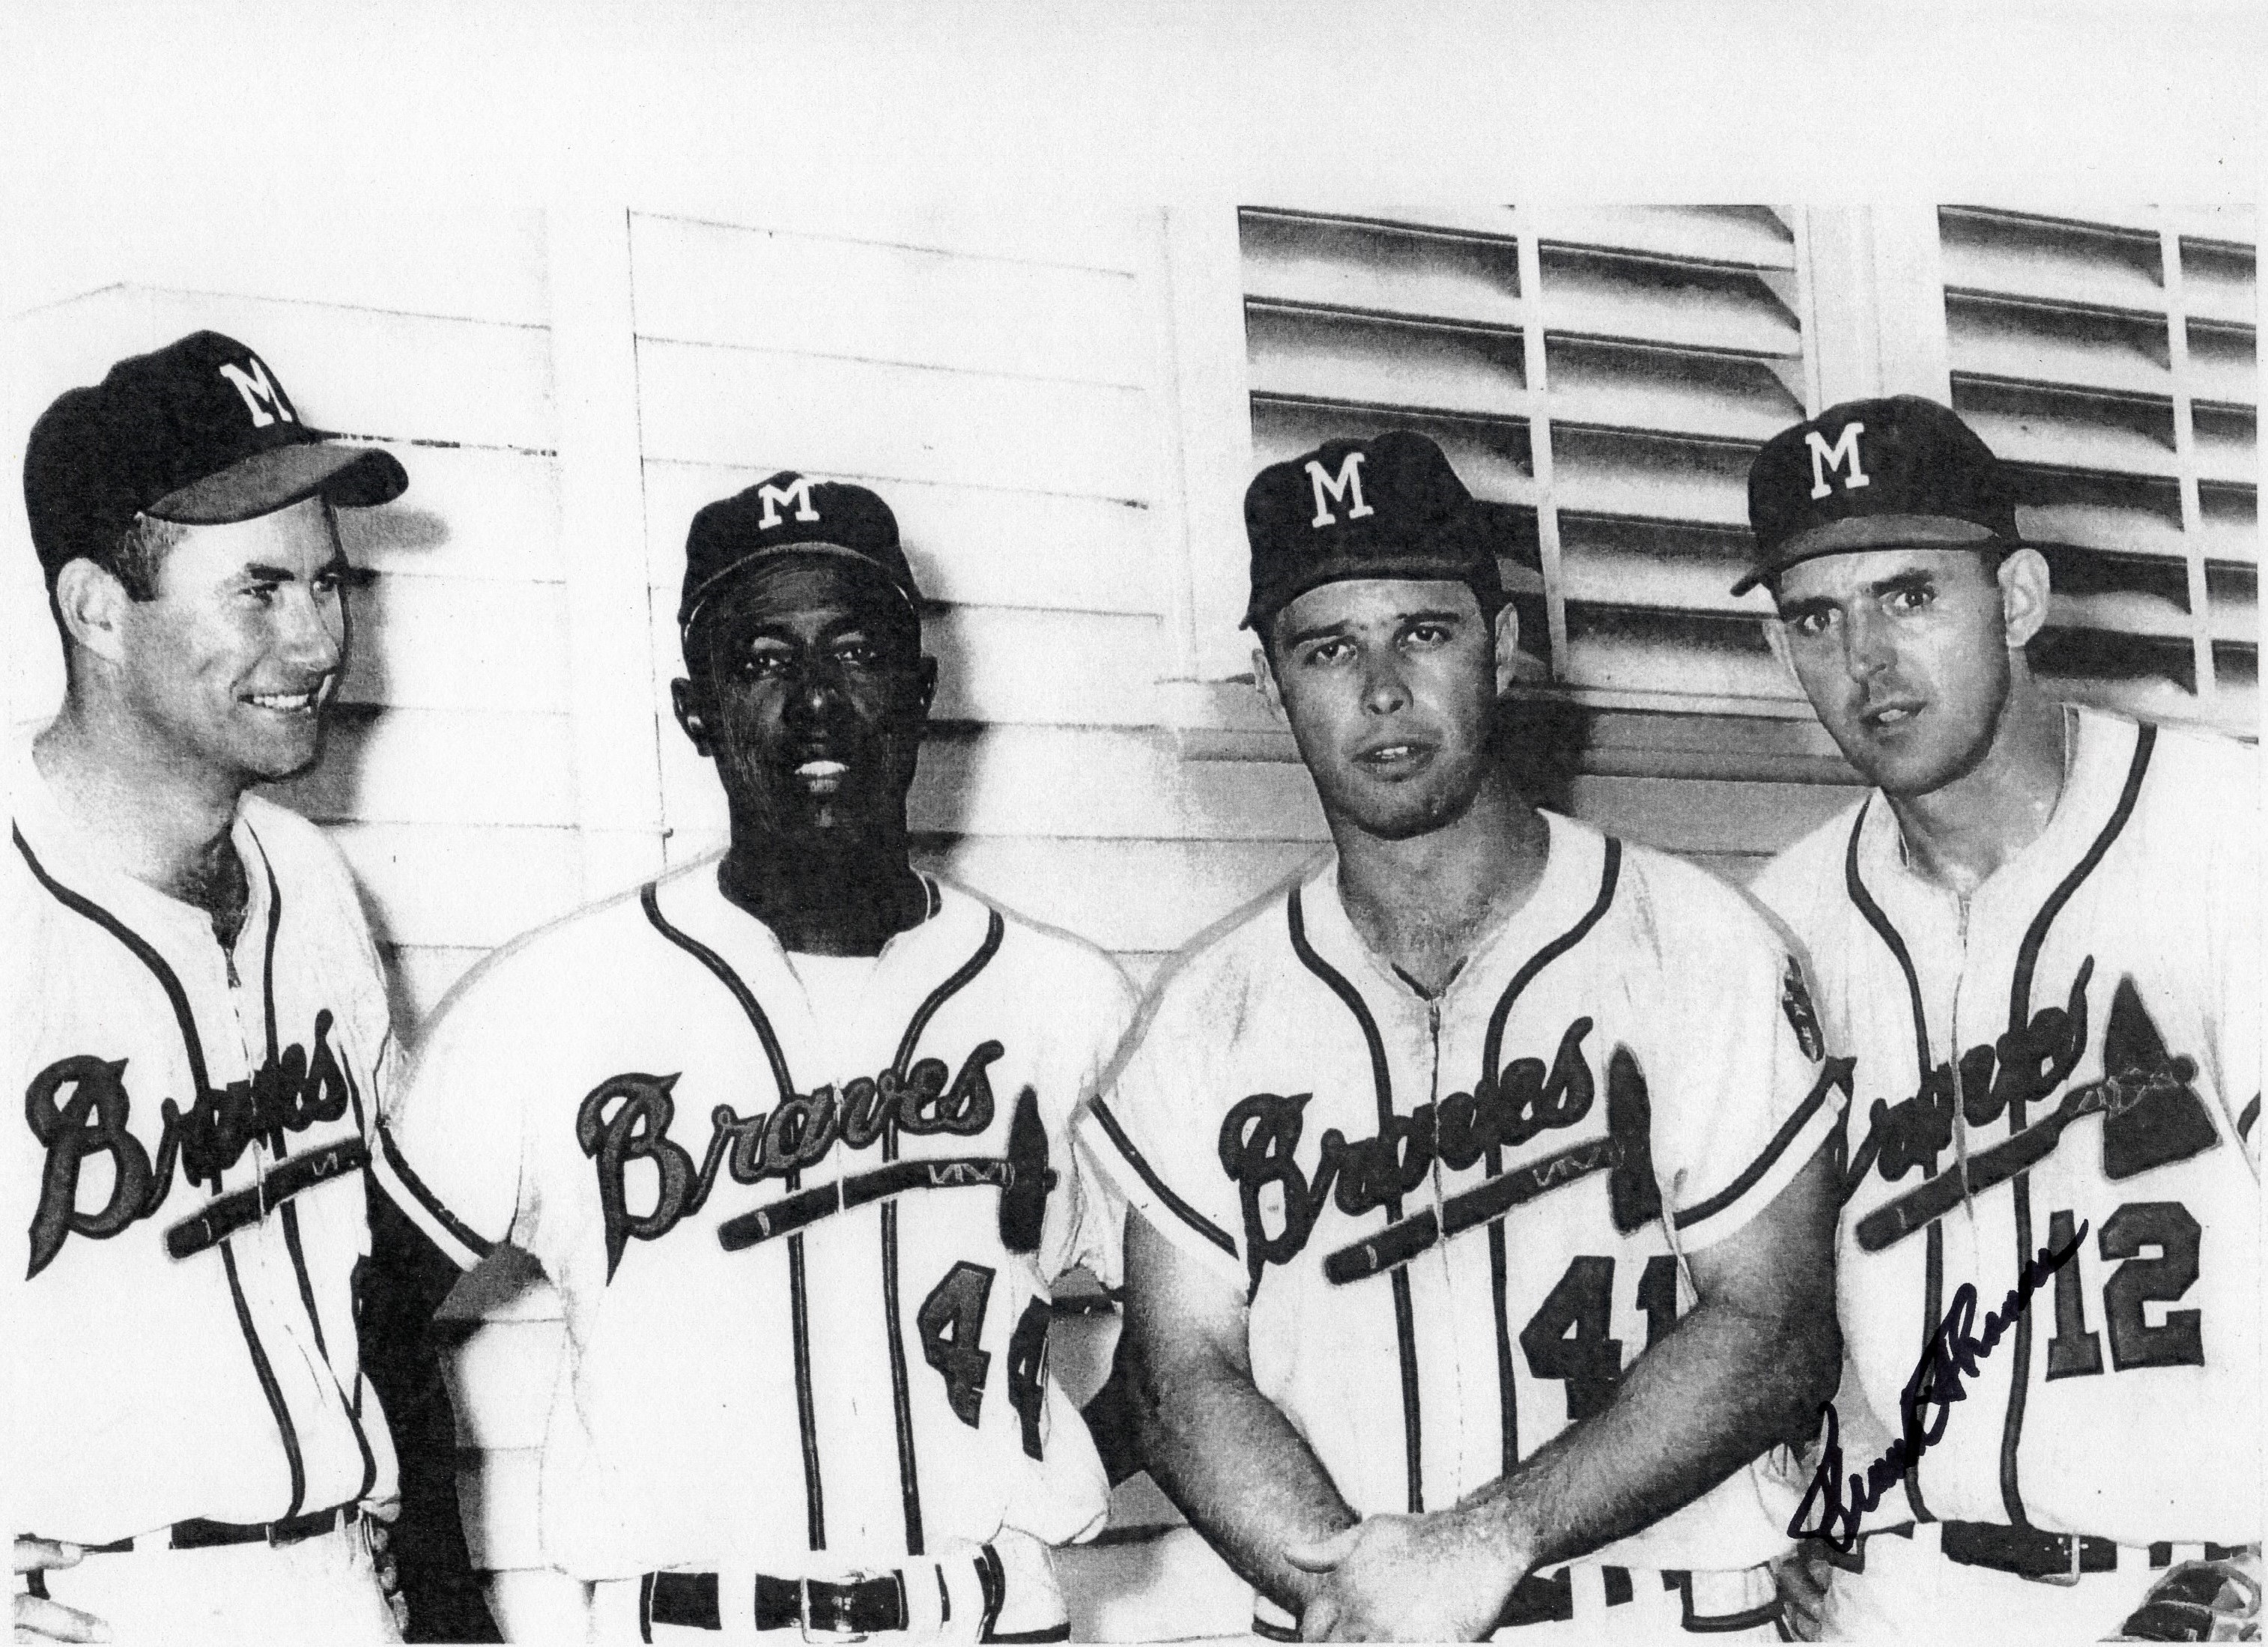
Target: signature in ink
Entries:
(1926, 1405)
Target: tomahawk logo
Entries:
(1328, 490)
(260, 396)
(774, 498)
(1843, 455)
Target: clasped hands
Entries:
(1442, 1576)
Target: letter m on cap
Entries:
(1329, 490)
(260, 396)
(797, 491)
(1843, 455)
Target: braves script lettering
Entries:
(79, 1110)
(626, 1118)
(1260, 1139)
(2160, 1118)
(1926, 1405)
(2026, 1064)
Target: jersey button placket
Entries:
(263, 1261)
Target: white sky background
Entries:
(145, 133)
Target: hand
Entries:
(40, 1620)
(1436, 1577)
(1803, 1577)
(380, 1537)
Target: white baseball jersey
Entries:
(158, 1074)
(797, 1317)
(1632, 1047)
(2112, 970)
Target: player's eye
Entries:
(1428, 635)
(857, 651)
(1809, 624)
(260, 594)
(763, 663)
(1914, 598)
(1334, 651)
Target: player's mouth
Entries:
(292, 705)
(1886, 717)
(1395, 758)
(820, 776)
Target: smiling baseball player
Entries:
(1484, 1221)
(788, 1131)
(197, 1028)
(2037, 938)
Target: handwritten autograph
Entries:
(1926, 1405)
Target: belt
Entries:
(200, 1535)
(225, 1215)
(2052, 1557)
(871, 1605)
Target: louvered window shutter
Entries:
(2114, 361)
(1601, 380)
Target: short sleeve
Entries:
(1152, 1135)
(1094, 1213)
(1743, 1090)
(448, 1148)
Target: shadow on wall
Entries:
(1543, 740)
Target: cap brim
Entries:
(690, 608)
(1870, 531)
(355, 476)
(1400, 568)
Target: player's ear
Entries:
(1776, 637)
(91, 603)
(1264, 680)
(691, 703)
(1507, 648)
(2023, 578)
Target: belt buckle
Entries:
(2067, 1580)
(811, 1632)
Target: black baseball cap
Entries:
(199, 432)
(790, 514)
(1386, 507)
(1871, 474)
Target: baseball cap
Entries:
(1386, 507)
(1870, 475)
(790, 513)
(199, 432)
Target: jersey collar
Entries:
(1572, 864)
(2102, 748)
(65, 853)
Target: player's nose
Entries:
(815, 693)
(1866, 645)
(309, 631)
(1383, 688)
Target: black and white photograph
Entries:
(1165, 824)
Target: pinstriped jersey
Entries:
(150, 1073)
(2098, 999)
(805, 1260)
(1630, 1050)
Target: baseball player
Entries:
(2036, 938)
(1485, 1220)
(197, 1028)
(788, 1132)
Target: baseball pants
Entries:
(1908, 1590)
(322, 1589)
